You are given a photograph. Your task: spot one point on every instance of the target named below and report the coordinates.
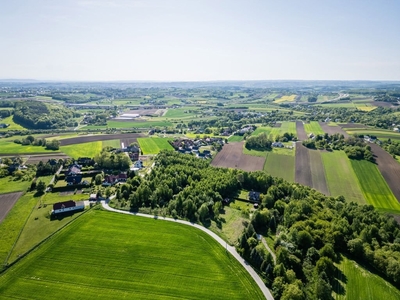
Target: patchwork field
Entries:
(153, 145)
(232, 156)
(359, 283)
(375, 189)
(313, 127)
(340, 177)
(145, 263)
(280, 165)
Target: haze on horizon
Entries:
(185, 40)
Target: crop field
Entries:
(235, 138)
(365, 107)
(83, 150)
(344, 104)
(379, 133)
(11, 226)
(375, 189)
(332, 128)
(313, 127)
(112, 143)
(359, 283)
(289, 127)
(318, 172)
(280, 165)
(13, 125)
(340, 177)
(282, 99)
(300, 131)
(7, 146)
(303, 166)
(260, 130)
(147, 263)
(130, 124)
(153, 145)
(232, 156)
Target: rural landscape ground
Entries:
(98, 254)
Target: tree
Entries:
(98, 179)
(41, 187)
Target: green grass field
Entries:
(313, 127)
(83, 150)
(235, 138)
(381, 134)
(359, 283)
(9, 185)
(100, 256)
(280, 165)
(374, 187)
(153, 145)
(178, 113)
(112, 143)
(11, 226)
(259, 130)
(13, 125)
(289, 127)
(7, 146)
(282, 99)
(340, 177)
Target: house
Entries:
(93, 197)
(85, 161)
(73, 179)
(12, 168)
(3, 125)
(138, 164)
(254, 196)
(73, 170)
(67, 206)
(278, 144)
(113, 179)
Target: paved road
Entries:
(229, 248)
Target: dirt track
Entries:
(302, 173)
(332, 129)
(7, 202)
(389, 167)
(102, 137)
(301, 133)
(231, 156)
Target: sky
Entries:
(199, 40)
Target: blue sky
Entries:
(187, 40)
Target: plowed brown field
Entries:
(231, 156)
(7, 202)
(303, 169)
(301, 133)
(100, 137)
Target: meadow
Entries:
(90, 149)
(260, 130)
(360, 283)
(282, 99)
(101, 257)
(9, 184)
(313, 127)
(340, 177)
(235, 138)
(153, 145)
(7, 146)
(178, 113)
(13, 125)
(381, 134)
(374, 187)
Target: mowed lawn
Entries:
(280, 165)
(359, 283)
(83, 150)
(313, 127)
(374, 186)
(153, 145)
(340, 177)
(104, 255)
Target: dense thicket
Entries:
(311, 229)
(258, 142)
(38, 115)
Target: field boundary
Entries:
(231, 249)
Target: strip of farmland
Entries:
(95, 138)
(318, 172)
(340, 177)
(231, 156)
(313, 127)
(280, 165)
(7, 202)
(301, 133)
(303, 169)
(332, 129)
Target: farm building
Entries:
(67, 206)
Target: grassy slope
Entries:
(340, 177)
(280, 165)
(313, 127)
(153, 145)
(374, 187)
(13, 125)
(8, 185)
(83, 150)
(153, 261)
(362, 284)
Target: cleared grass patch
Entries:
(313, 127)
(235, 138)
(156, 260)
(83, 150)
(280, 165)
(375, 189)
(153, 145)
(359, 283)
(340, 177)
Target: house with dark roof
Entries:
(73, 170)
(254, 196)
(67, 206)
(73, 179)
(113, 179)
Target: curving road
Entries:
(231, 249)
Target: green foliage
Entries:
(112, 161)
(258, 142)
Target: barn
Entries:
(67, 206)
